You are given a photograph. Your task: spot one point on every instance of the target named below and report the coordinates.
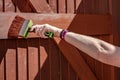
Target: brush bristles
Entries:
(15, 27)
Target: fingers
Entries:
(39, 30)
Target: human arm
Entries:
(96, 48)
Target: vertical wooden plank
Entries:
(72, 74)
(108, 72)
(99, 70)
(22, 59)
(79, 6)
(55, 60)
(11, 60)
(2, 69)
(9, 7)
(53, 5)
(1, 5)
(32, 58)
(64, 68)
(2, 59)
(70, 6)
(103, 7)
(61, 6)
(44, 59)
(110, 6)
(88, 6)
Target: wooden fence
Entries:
(47, 59)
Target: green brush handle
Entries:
(49, 34)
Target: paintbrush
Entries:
(20, 27)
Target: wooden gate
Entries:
(52, 59)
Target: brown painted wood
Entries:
(22, 59)
(39, 6)
(9, 7)
(64, 68)
(53, 4)
(70, 6)
(1, 5)
(89, 23)
(70, 21)
(79, 6)
(11, 70)
(54, 60)
(61, 6)
(2, 59)
(73, 58)
(72, 74)
(24, 5)
(45, 71)
(32, 58)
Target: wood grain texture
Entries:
(1, 5)
(32, 58)
(45, 69)
(54, 60)
(73, 58)
(2, 59)
(61, 6)
(11, 70)
(70, 6)
(54, 5)
(22, 59)
(41, 6)
(89, 23)
(9, 7)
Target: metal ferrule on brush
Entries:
(25, 28)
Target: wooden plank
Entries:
(61, 6)
(89, 23)
(72, 74)
(32, 58)
(9, 7)
(80, 5)
(41, 6)
(108, 72)
(64, 68)
(70, 6)
(110, 6)
(53, 5)
(1, 5)
(54, 60)
(2, 70)
(22, 59)
(81, 69)
(2, 59)
(11, 73)
(23, 5)
(45, 73)
(103, 7)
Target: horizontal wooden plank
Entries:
(83, 24)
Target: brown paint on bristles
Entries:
(15, 27)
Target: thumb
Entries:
(33, 28)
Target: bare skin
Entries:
(96, 48)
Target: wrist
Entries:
(63, 33)
(58, 32)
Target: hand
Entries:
(40, 30)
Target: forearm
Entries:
(95, 48)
